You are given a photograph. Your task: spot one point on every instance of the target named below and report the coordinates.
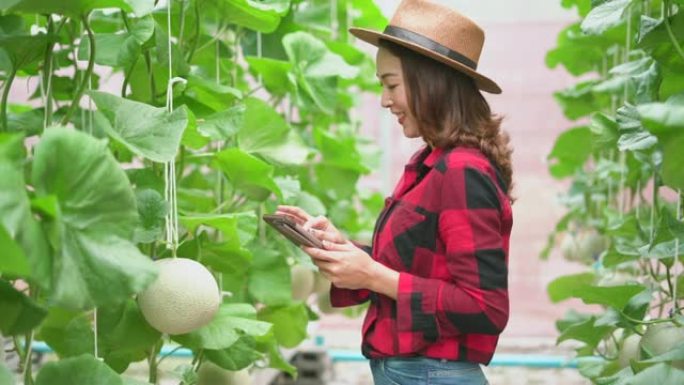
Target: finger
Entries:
(300, 215)
(327, 236)
(320, 222)
(319, 254)
(334, 246)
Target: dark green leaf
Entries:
(20, 313)
(23, 50)
(81, 370)
(248, 173)
(147, 131)
(262, 16)
(238, 356)
(95, 261)
(68, 333)
(123, 335)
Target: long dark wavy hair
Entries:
(450, 109)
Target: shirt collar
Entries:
(426, 157)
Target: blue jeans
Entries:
(425, 371)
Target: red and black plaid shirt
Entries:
(446, 230)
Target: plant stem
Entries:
(127, 77)
(153, 363)
(5, 95)
(47, 76)
(88, 73)
(150, 75)
(193, 45)
(675, 43)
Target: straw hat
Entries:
(438, 32)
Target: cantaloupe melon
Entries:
(661, 338)
(321, 284)
(302, 282)
(184, 297)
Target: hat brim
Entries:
(373, 37)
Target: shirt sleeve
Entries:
(349, 297)
(475, 298)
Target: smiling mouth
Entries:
(400, 118)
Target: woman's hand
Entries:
(343, 264)
(319, 226)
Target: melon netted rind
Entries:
(184, 297)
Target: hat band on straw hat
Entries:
(430, 44)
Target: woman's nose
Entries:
(385, 100)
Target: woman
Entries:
(436, 274)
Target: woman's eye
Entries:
(392, 86)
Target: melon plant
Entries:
(622, 157)
(160, 128)
(183, 298)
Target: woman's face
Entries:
(394, 91)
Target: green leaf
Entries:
(147, 131)
(224, 124)
(262, 16)
(152, 209)
(238, 356)
(580, 53)
(634, 136)
(666, 121)
(581, 100)
(123, 335)
(17, 218)
(13, 261)
(23, 50)
(248, 173)
(81, 370)
(119, 49)
(269, 278)
(74, 8)
(316, 69)
(289, 323)
(268, 344)
(367, 15)
(94, 261)
(583, 6)
(237, 228)
(68, 333)
(273, 73)
(226, 328)
(567, 286)
(570, 152)
(585, 332)
(264, 132)
(605, 130)
(605, 16)
(20, 314)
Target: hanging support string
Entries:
(678, 215)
